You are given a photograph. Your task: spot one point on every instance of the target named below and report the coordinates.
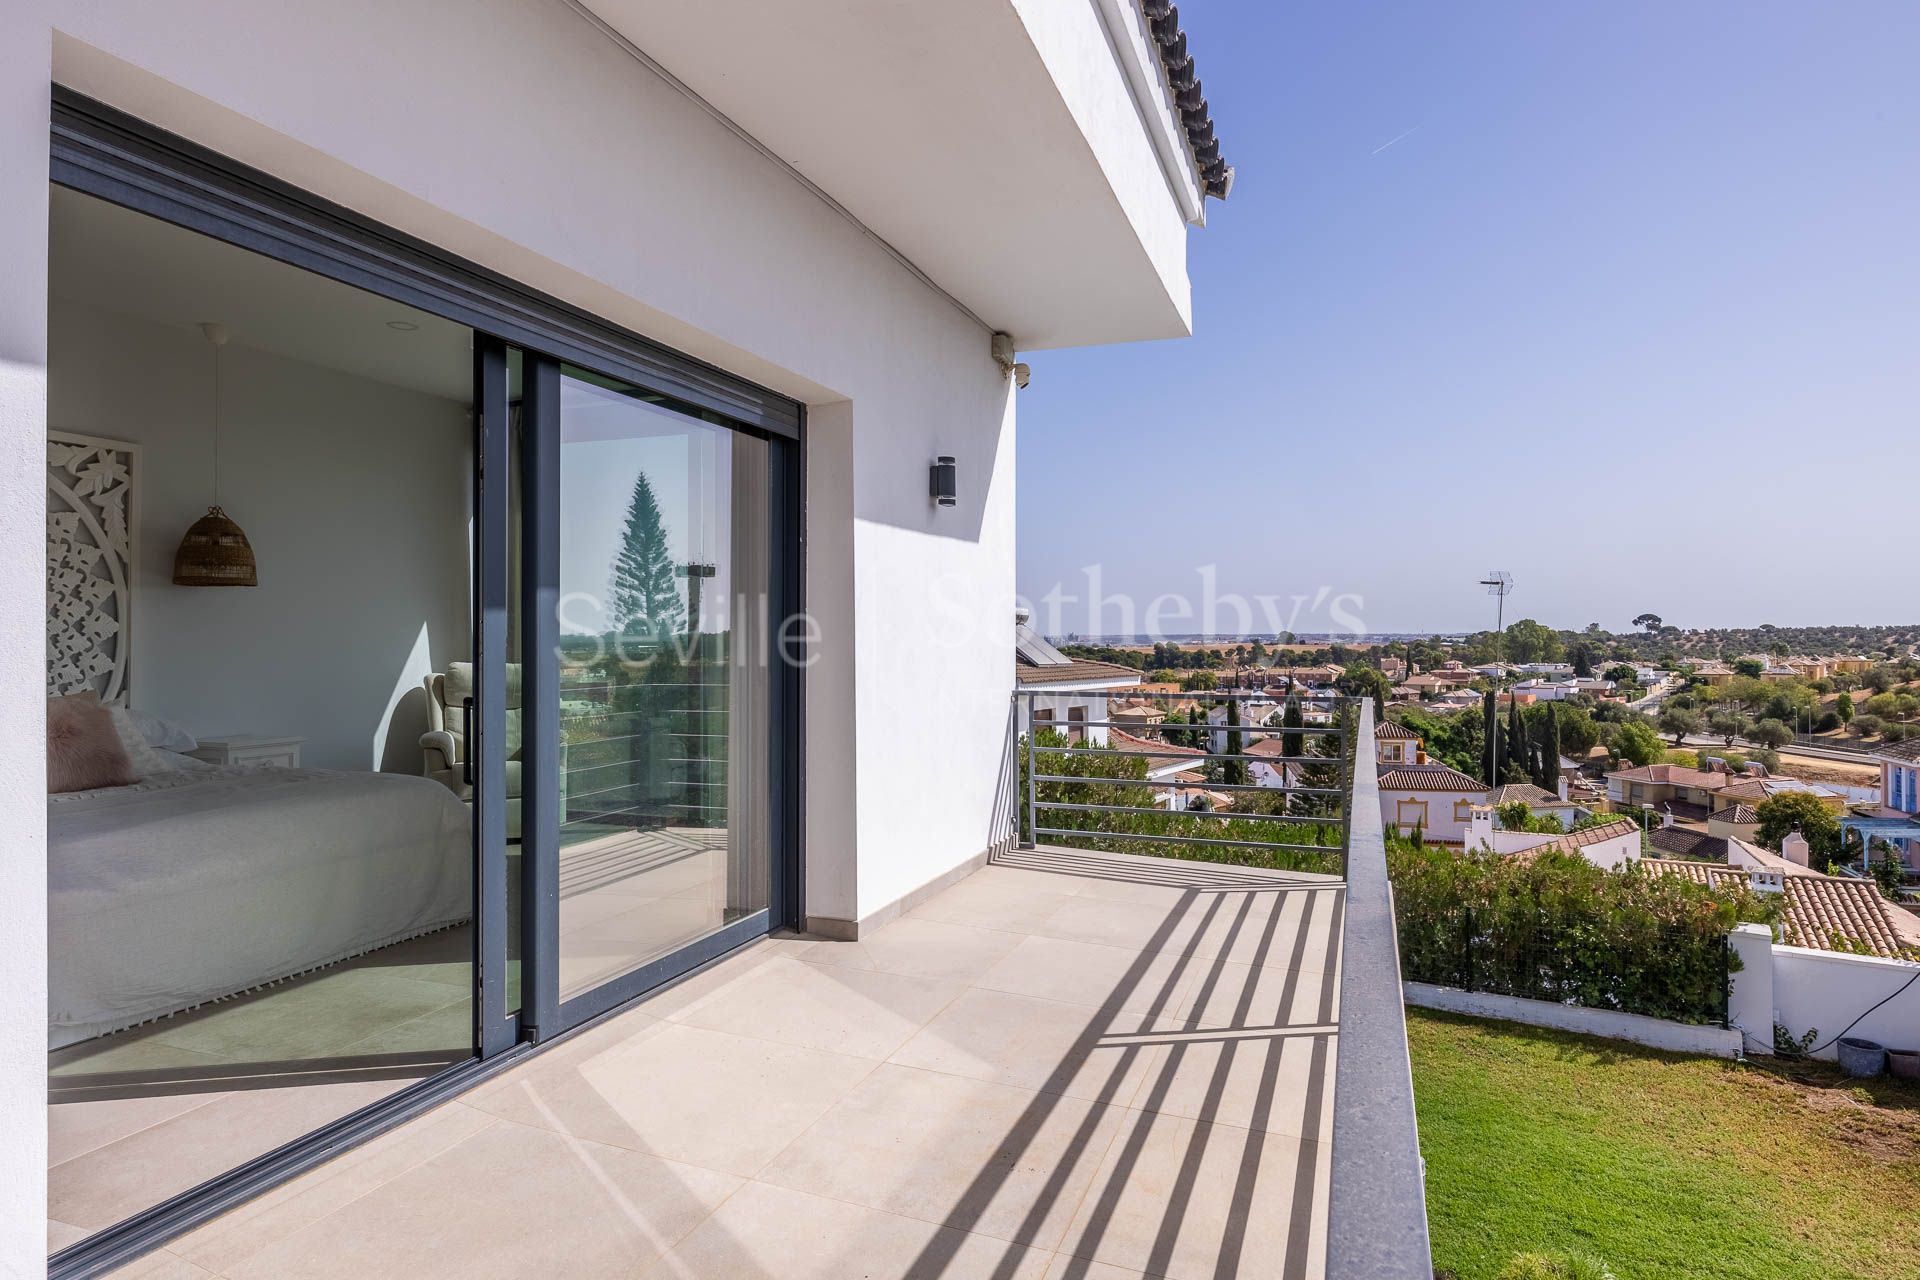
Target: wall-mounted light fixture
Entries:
(943, 482)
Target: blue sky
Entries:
(1630, 308)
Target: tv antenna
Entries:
(1499, 583)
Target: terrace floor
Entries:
(1066, 1065)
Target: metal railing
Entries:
(1206, 782)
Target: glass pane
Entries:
(260, 917)
(663, 678)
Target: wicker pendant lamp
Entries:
(215, 551)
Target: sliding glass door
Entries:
(492, 739)
(658, 804)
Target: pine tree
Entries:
(642, 590)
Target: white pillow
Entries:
(143, 755)
(158, 730)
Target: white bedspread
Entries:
(195, 885)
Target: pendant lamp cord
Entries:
(216, 424)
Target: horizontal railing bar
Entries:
(1115, 753)
(1270, 694)
(1127, 726)
(1209, 786)
(1332, 850)
(1205, 813)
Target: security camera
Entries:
(1022, 375)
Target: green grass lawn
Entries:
(1659, 1164)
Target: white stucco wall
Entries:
(521, 137)
(354, 495)
(1826, 990)
(1443, 825)
(23, 533)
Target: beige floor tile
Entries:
(1141, 926)
(1279, 1082)
(1028, 879)
(700, 1097)
(240, 1233)
(75, 1128)
(507, 1203)
(1029, 1043)
(852, 1011)
(62, 1234)
(1064, 1266)
(1295, 930)
(1193, 1201)
(773, 1233)
(161, 1265)
(1012, 908)
(715, 979)
(1008, 1163)
(919, 949)
(1091, 974)
(1225, 995)
(112, 1182)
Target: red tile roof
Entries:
(1388, 729)
(1816, 910)
(1428, 777)
(1075, 673)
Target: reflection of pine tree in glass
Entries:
(643, 590)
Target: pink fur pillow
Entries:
(83, 747)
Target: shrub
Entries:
(1827, 723)
(1556, 927)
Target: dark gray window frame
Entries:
(105, 153)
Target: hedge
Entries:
(1556, 927)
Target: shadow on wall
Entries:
(966, 415)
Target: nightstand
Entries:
(248, 748)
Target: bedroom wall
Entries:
(355, 496)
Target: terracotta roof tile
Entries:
(1428, 777)
(1815, 911)
(1075, 673)
(1388, 729)
(1908, 750)
(1739, 814)
(1525, 793)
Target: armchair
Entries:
(443, 746)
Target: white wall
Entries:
(1826, 990)
(355, 496)
(23, 534)
(1441, 826)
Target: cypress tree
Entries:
(1233, 771)
(1516, 744)
(1490, 748)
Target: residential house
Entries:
(615, 410)
(1540, 802)
(1737, 821)
(1689, 791)
(1755, 790)
(1821, 912)
(1431, 798)
(1849, 664)
(1395, 744)
(1607, 844)
(1069, 695)
(1713, 673)
(1900, 798)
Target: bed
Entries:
(197, 884)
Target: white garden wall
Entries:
(1825, 991)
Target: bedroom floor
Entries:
(144, 1114)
